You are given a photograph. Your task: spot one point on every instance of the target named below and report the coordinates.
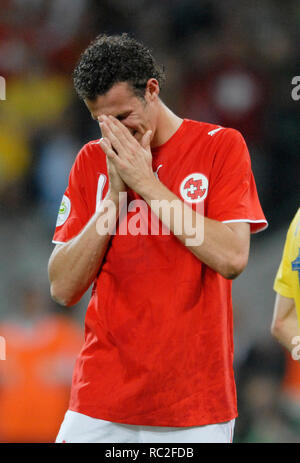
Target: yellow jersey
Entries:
(287, 280)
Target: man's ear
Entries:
(152, 90)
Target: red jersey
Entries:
(158, 329)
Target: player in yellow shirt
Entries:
(286, 318)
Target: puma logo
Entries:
(156, 172)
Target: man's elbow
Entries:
(61, 296)
(235, 267)
(277, 329)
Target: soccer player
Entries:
(156, 365)
(285, 324)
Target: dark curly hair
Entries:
(112, 59)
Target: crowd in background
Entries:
(227, 62)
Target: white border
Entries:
(249, 221)
(59, 242)
(100, 187)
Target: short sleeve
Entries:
(233, 195)
(283, 283)
(73, 211)
(283, 279)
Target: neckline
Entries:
(171, 139)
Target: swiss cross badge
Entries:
(194, 188)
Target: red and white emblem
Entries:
(194, 188)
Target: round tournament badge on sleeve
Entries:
(194, 188)
(64, 211)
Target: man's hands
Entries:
(116, 184)
(129, 162)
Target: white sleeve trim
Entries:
(59, 242)
(249, 221)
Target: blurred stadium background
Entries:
(227, 62)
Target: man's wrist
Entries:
(114, 196)
(148, 189)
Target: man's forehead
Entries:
(117, 99)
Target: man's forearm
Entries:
(73, 266)
(221, 248)
(285, 325)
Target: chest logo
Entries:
(194, 188)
